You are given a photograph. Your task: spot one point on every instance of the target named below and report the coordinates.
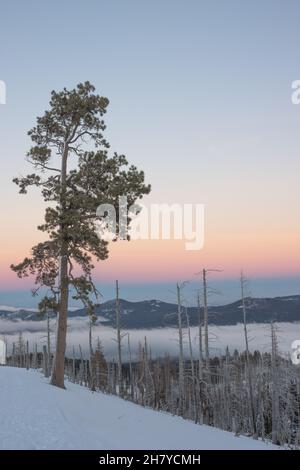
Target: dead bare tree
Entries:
(205, 306)
(200, 360)
(48, 342)
(248, 365)
(181, 363)
(130, 368)
(195, 389)
(275, 387)
(205, 317)
(119, 339)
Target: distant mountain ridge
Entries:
(159, 314)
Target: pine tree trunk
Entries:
(58, 371)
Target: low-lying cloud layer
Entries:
(160, 340)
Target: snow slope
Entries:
(35, 415)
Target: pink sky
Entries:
(152, 261)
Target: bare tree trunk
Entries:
(73, 366)
(27, 355)
(275, 394)
(181, 368)
(119, 338)
(58, 371)
(36, 357)
(192, 368)
(81, 367)
(90, 339)
(205, 320)
(48, 342)
(200, 372)
(91, 367)
(190, 344)
(130, 370)
(13, 353)
(253, 420)
(45, 362)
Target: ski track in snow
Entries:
(35, 415)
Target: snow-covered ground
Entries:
(36, 415)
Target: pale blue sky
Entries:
(199, 92)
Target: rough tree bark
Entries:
(58, 371)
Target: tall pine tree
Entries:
(75, 175)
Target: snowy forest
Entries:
(252, 394)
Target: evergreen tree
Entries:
(75, 175)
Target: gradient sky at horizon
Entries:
(200, 98)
